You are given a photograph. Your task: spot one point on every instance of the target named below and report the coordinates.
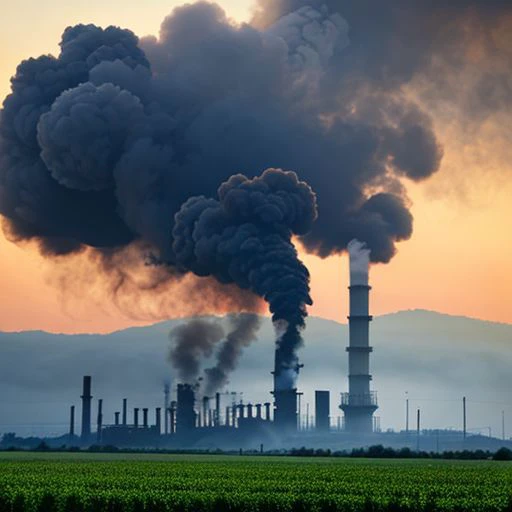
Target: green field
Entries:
(108, 482)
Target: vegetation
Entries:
(90, 482)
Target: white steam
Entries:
(359, 262)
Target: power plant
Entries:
(191, 417)
(188, 419)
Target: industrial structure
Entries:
(189, 418)
(86, 408)
(359, 404)
(322, 408)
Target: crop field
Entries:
(79, 482)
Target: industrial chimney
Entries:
(99, 424)
(167, 392)
(125, 412)
(158, 420)
(359, 403)
(185, 413)
(285, 397)
(72, 421)
(86, 408)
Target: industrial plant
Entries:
(188, 419)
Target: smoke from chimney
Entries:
(102, 145)
(192, 341)
(359, 256)
(243, 331)
(244, 237)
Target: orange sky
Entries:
(459, 260)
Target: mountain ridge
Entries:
(394, 314)
(437, 358)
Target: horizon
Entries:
(266, 316)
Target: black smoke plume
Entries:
(101, 145)
(244, 237)
(191, 342)
(243, 331)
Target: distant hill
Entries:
(435, 357)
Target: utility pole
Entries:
(406, 412)
(418, 431)
(503, 425)
(464, 417)
(99, 421)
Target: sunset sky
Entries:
(458, 261)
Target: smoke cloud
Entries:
(243, 331)
(102, 145)
(191, 342)
(244, 237)
(450, 58)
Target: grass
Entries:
(90, 482)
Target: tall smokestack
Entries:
(99, 424)
(173, 418)
(136, 417)
(359, 403)
(72, 421)
(124, 411)
(285, 397)
(185, 413)
(206, 409)
(158, 420)
(86, 408)
(145, 417)
(217, 409)
(233, 415)
(167, 391)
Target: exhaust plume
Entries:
(244, 237)
(101, 145)
(359, 262)
(191, 342)
(243, 331)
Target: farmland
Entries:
(82, 482)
